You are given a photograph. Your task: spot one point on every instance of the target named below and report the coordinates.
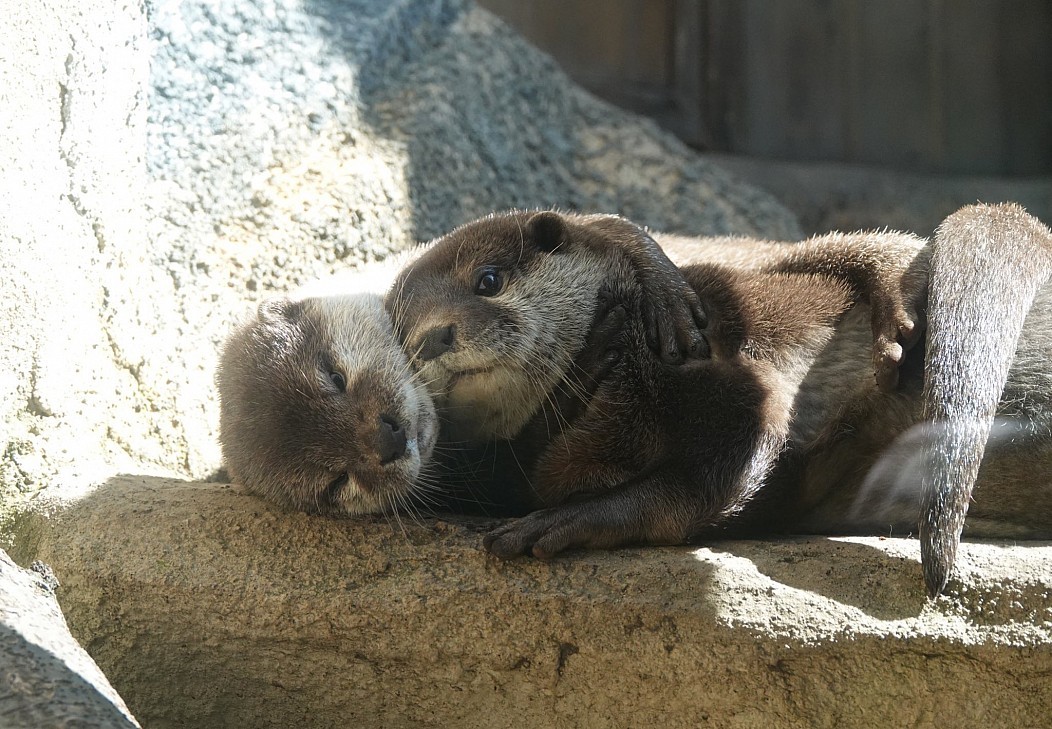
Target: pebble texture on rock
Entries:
(272, 619)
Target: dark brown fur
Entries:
(781, 427)
(494, 358)
(320, 410)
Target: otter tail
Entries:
(988, 262)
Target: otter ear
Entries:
(279, 309)
(547, 230)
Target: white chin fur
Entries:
(497, 403)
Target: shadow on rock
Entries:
(40, 689)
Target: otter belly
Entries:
(848, 474)
(861, 470)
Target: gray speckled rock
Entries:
(77, 295)
(47, 681)
(287, 138)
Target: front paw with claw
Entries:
(543, 534)
(675, 322)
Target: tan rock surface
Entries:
(255, 617)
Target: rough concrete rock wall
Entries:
(70, 222)
(257, 617)
(269, 142)
(46, 679)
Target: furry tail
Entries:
(988, 262)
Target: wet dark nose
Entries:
(390, 440)
(436, 342)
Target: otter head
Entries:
(494, 312)
(319, 409)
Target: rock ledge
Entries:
(208, 607)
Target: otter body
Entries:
(781, 426)
(320, 410)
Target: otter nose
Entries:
(390, 440)
(436, 342)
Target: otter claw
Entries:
(887, 357)
(542, 534)
(511, 540)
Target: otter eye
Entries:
(339, 381)
(489, 282)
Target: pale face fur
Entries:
(363, 342)
(292, 434)
(510, 349)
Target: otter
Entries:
(321, 412)
(319, 409)
(524, 355)
(778, 425)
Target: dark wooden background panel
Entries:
(932, 85)
(793, 86)
(618, 47)
(892, 90)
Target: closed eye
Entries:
(328, 368)
(332, 491)
(339, 381)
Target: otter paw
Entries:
(896, 328)
(605, 339)
(520, 537)
(601, 353)
(547, 532)
(675, 322)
